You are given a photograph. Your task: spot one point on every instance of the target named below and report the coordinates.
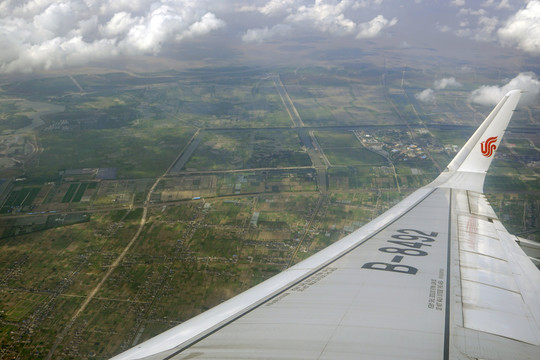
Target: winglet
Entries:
(468, 169)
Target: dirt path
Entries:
(112, 267)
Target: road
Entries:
(178, 164)
(315, 154)
(112, 267)
(287, 102)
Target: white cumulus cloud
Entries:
(503, 4)
(119, 23)
(428, 95)
(47, 34)
(523, 29)
(330, 16)
(38, 35)
(273, 7)
(374, 27)
(498, 21)
(260, 35)
(278, 6)
(325, 15)
(446, 82)
(490, 95)
(457, 2)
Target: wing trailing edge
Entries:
(468, 169)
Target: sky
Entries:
(44, 35)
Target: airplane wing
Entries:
(436, 277)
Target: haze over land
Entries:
(158, 157)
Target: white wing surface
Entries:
(435, 277)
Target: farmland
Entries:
(148, 198)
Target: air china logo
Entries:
(488, 147)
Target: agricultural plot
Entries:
(217, 242)
(225, 106)
(80, 192)
(121, 192)
(358, 178)
(20, 199)
(70, 192)
(235, 212)
(221, 150)
(136, 153)
(334, 101)
(20, 305)
(189, 186)
(354, 156)
(10, 227)
(344, 149)
(415, 173)
(63, 263)
(336, 139)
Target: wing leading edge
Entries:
(435, 277)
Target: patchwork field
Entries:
(143, 199)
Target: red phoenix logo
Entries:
(488, 147)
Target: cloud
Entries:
(483, 26)
(446, 82)
(485, 23)
(468, 11)
(278, 6)
(273, 7)
(503, 4)
(374, 27)
(119, 23)
(428, 95)
(327, 16)
(486, 27)
(443, 28)
(39, 35)
(366, 3)
(263, 34)
(490, 95)
(522, 29)
(207, 23)
(46, 34)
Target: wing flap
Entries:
(497, 311)
(492, 299)
(479, 205)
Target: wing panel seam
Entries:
(446, 350)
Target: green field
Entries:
(135, 152)
(248, 202)
(80, 192)
(70, 192)
(20, 198)
(221, 150)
